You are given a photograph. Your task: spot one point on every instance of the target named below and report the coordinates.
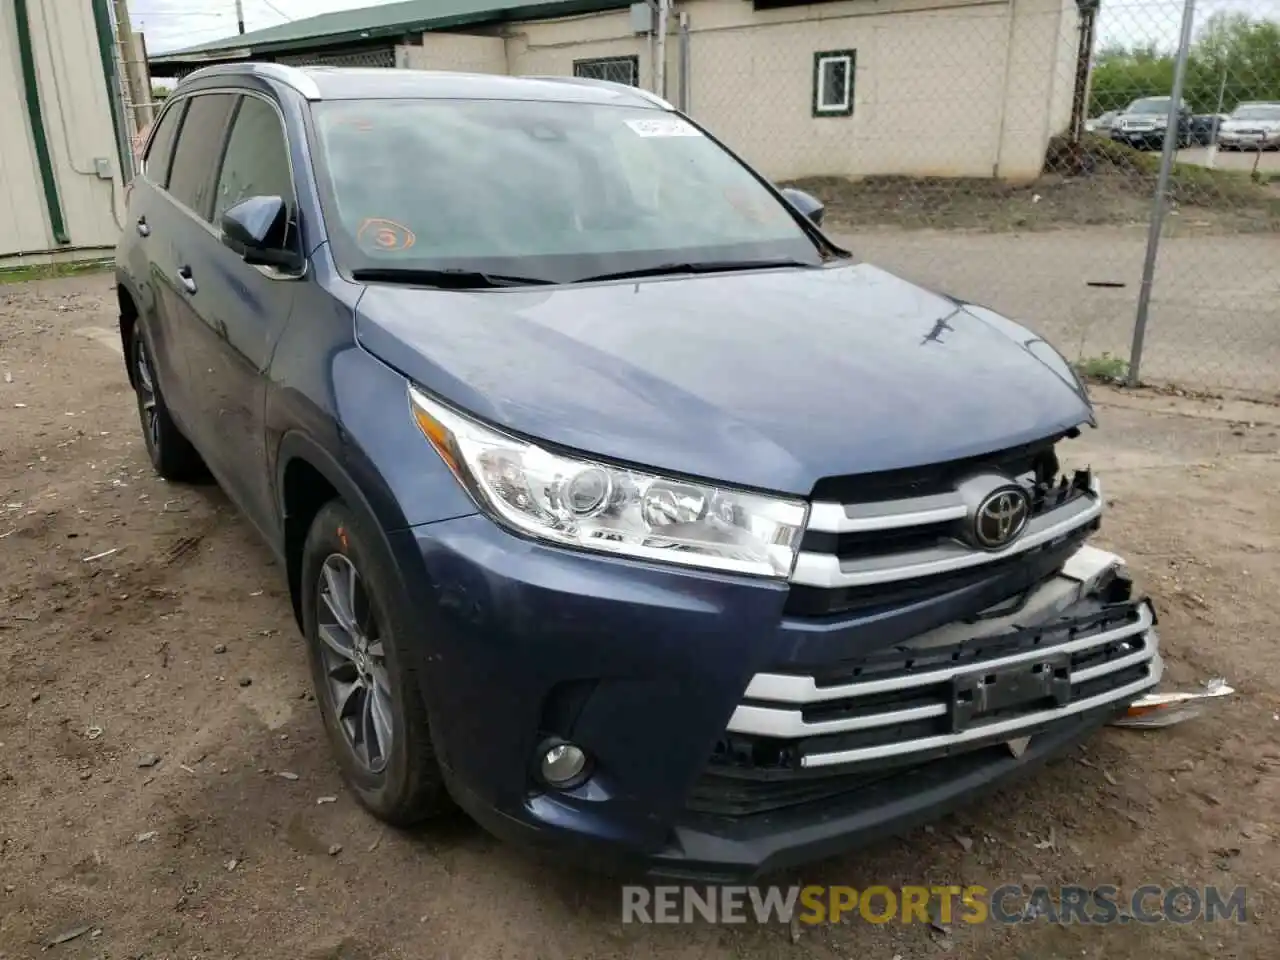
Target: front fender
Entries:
(368, 446)
(384, 450)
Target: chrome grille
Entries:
(799, 711)
(1073, 649)
(946, 554)
(966, 682)
(921, 527)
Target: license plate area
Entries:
(1042, 684)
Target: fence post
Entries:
(660, 54)
(1172, 134)
(683, 103)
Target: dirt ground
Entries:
(1095, 183)
(162, 768)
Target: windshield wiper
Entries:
(451, 278)
(701, 266)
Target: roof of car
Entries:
(360, 83)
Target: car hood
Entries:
(1271, 126)
(768, 379)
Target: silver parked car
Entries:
(1142, 124)
(1101, 123)
(1251, 126)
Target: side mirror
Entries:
(807, 204)
(257, 228)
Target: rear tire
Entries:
(357, 630)
(171, 453)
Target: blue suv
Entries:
(619, 506)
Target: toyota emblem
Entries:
(1001, 517)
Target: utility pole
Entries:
(240, 15)
(1213, 142)
(137, 91)
(660, 55)
(1084, 60)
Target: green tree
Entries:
(1243, 50)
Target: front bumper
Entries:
(729, 737)
(1136, 138)
(1236, 141)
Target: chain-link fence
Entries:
(1010, 154)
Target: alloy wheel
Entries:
(147, 399)
(354, 659)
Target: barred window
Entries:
(617, 69)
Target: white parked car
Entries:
(1251, 126)
(1101, 123)
(1142, 124)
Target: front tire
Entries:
(357, 630)
(171, 453)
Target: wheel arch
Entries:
(308, 477)
(129, 316)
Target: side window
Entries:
(155, 165)
(199, 145)
(257, 159)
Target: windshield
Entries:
(1258, 112)
(1158, 105)
(543, 190)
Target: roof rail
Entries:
(609, 84)
(289, 76)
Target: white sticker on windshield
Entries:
(664, 127)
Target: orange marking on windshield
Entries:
(385, 235)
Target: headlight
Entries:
(612, 509)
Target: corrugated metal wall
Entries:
(77, 130)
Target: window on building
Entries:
(257, 160)
(617, 69)
(833, 73)
(195, 159)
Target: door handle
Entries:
(188, 281)
(143, 229)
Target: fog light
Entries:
(562, 764)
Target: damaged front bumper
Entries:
(730, 737)
(814, 764)
(1077, 642)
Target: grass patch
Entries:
(1106, 368)
(53, 271)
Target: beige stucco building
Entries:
(60, 184)
(939, 87)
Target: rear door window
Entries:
(199, 146)
(257, 159)
(156, 164)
